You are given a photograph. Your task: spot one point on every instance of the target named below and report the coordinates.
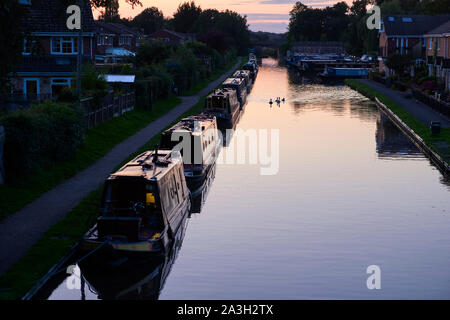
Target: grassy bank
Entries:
(56, 242)
(99, 140)
(419, 128)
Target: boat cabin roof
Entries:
(195, 124)
(240, 73)
(144, 166)
(233, 82)
(223, 93)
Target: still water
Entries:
(351, 191)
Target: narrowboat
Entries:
(244, 74)
(224, 105)
(239, 85)
(133, 279)
(143, 205)
(199, 134)
(253, 68)
(344, 73)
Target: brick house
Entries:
(404, 34)
(49, 56)
(171, 37)
(438, 52)
(115, 35)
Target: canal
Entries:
(351, 191)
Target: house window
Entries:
(406, 42)
(57, 84)
(27, 46)
(101, 40)
(64, 45)
(424, 42)
(124, 40)
(438, 44)
(430, 44)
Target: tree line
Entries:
(220, 30)
(345, 23)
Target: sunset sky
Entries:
(262, 15)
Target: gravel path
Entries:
(21, 230)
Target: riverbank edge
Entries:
(60, 241)
(388, 108)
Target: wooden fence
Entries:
(111, 106)
(438, 105)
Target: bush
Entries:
(41, 135)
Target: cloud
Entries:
(267, 16)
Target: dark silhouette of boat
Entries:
(143, 205)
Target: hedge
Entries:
(41, 135)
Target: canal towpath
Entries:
(24, 228)
(419, 110)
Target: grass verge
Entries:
(99, 140)
(419, 128)
(56, 242)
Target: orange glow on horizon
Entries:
(244, 7)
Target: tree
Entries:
(11, 15)
(436, 6)
(151, 20)
(186, 16)
(398, 62)
(111, 12)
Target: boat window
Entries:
(123, 194)
(166, 196)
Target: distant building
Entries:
(438, 52)
(115, 35)
(49, 56)
(318, 47)
(404, 34)
(172, 37)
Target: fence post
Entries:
(2, 142)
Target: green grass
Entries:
(419, 128)
(56, 242)
(99, 140)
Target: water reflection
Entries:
(198, 199)
(132, 278)
(310, 231)
(392, 143)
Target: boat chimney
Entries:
(155, 155)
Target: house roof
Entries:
(48, 16)
(183, 36)
(412, 25)
(440, 30)
(116, 28)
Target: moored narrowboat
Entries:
(239, 85)
(253, 68)
(244, 74)
(344, 73)
(224, 105)
(143, 205)
(199, 134)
